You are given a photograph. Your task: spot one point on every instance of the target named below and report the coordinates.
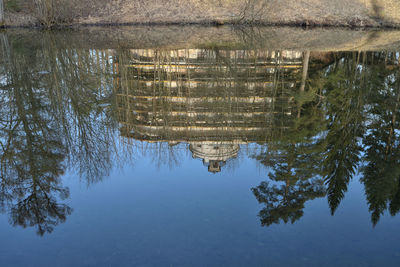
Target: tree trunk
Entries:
(1, 13)
(306, 59)
(5, 51)
(45, 11)
(393, 122)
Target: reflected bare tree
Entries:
(32, 151)
(81, 93)
(56, 112)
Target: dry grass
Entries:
(54, 12)
(308, 12)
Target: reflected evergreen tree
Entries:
(394, 207)
(381, 175)
(286, 202)
(294, 161)
(294, 179)
(359, 109)
(345, 98)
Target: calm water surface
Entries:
(197, 156)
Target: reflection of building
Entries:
(214, 154)
(212, 99)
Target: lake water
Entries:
(181, 150)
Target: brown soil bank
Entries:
(373, 13)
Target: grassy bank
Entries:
(356, 13)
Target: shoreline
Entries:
(211, 23)
(226, 36)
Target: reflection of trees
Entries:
(381, 175)
(361, 102)
(345, 98)
(368, 106)
(35, 154)
(349, 114)
(295, 178)
(293, 160)
(57, 111)
(53, 108)
(31, 153)
(79, 90)
(286, 202)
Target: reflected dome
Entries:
(214, 155)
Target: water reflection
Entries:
(317, 118)
(213, 100)
(52, 118)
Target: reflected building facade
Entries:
(213, 99)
